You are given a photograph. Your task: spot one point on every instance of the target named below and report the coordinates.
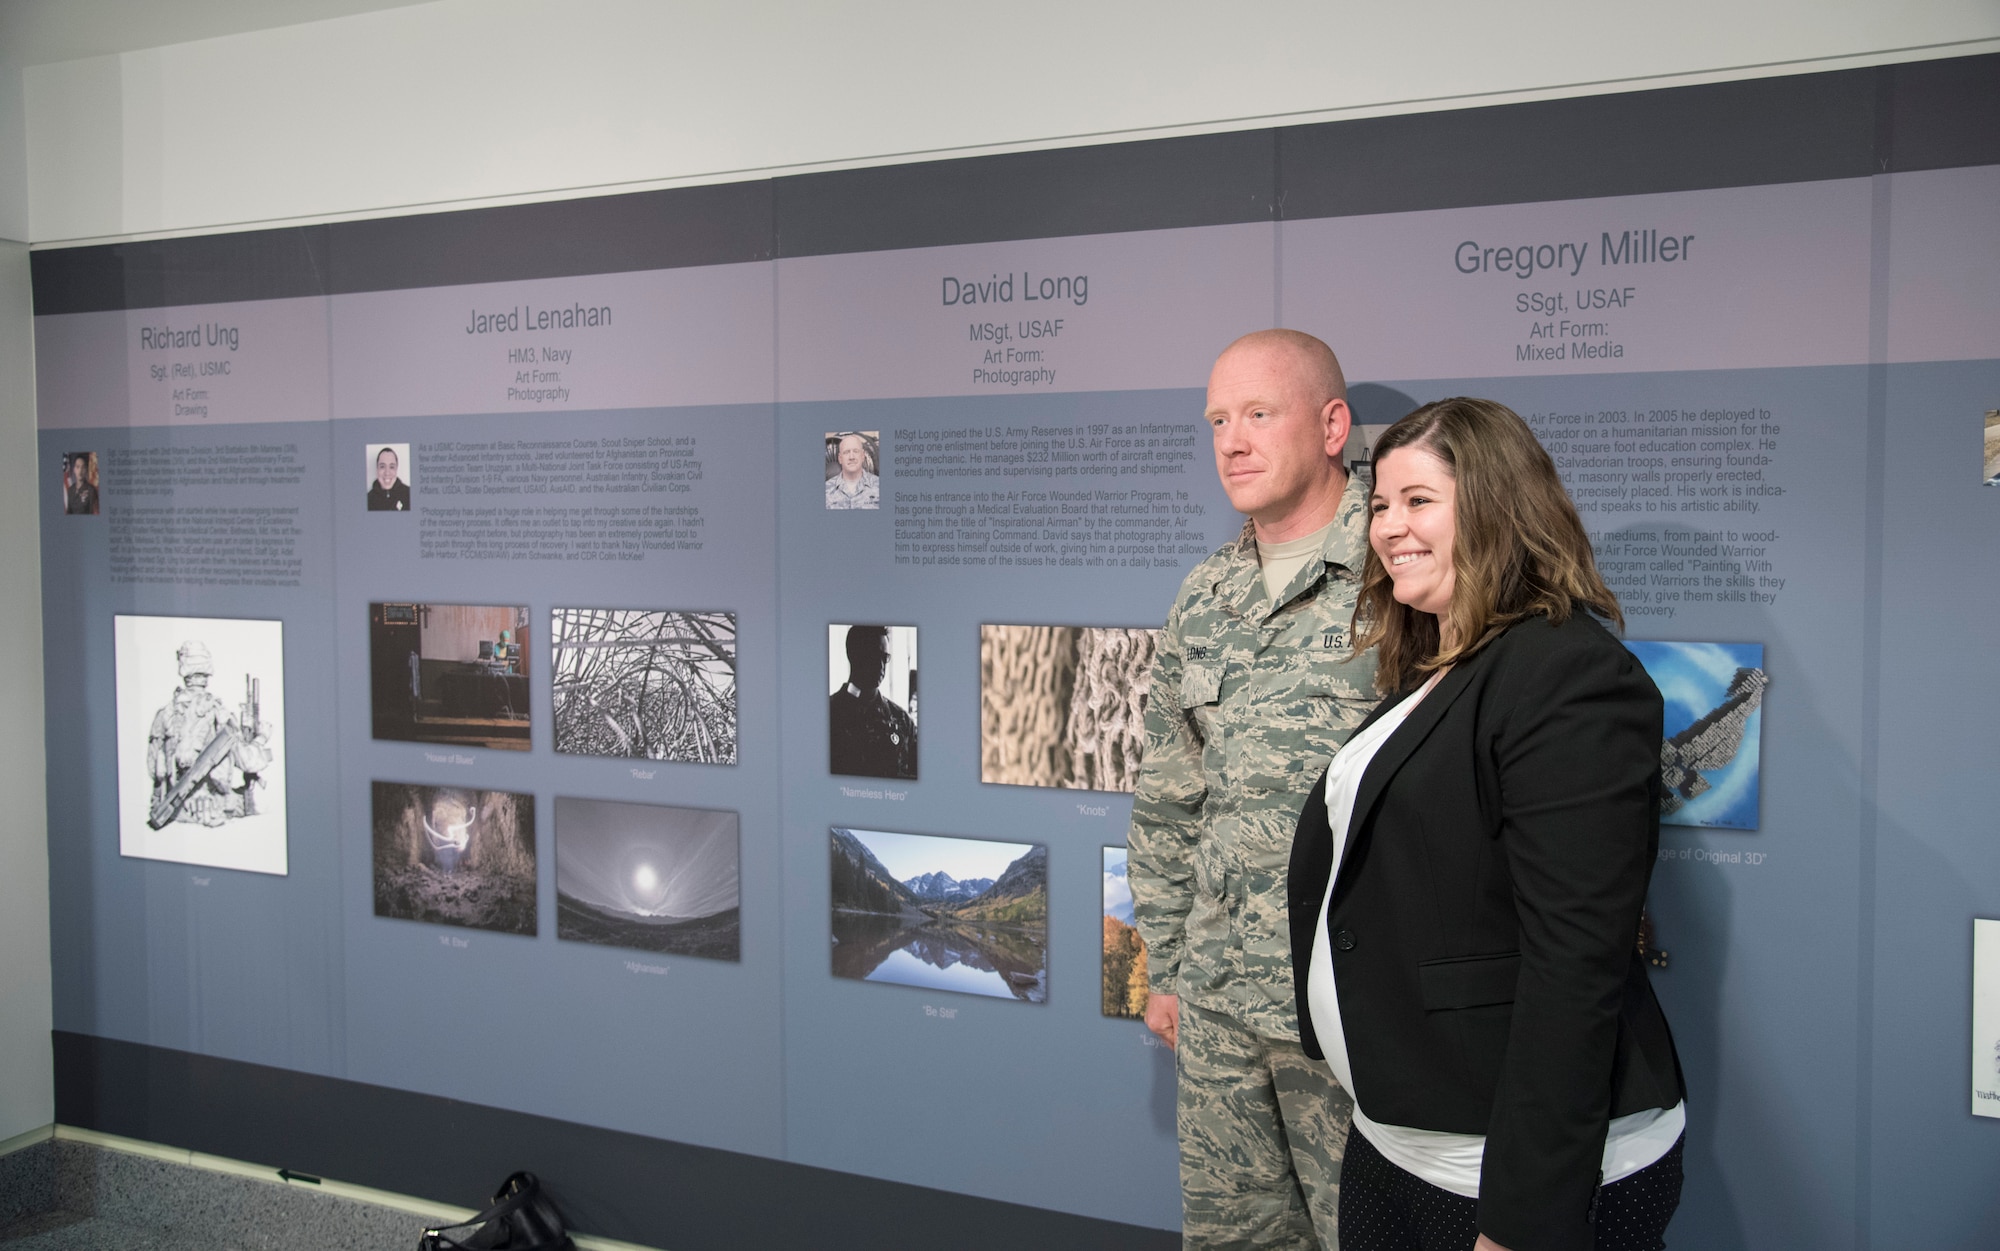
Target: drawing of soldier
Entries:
(204, 761)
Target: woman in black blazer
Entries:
(1465, 950)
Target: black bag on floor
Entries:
(521, 1219)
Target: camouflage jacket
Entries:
(1249, 702)
(867, 495)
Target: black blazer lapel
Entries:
(1403, 743)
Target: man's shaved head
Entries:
(1319, 367)
(1277, 408)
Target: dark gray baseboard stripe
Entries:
(613, 1184)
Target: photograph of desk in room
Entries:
(449, 673)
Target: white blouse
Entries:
(1448, 1161)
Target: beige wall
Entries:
(428, 105)
(26, 1091)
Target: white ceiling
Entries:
(40, 32)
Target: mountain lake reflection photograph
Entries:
(941, 913)
(1124, 963)
(648, 877)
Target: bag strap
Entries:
(519, 1191)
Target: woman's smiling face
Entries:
(1413, 520)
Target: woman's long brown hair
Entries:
(1519, 549)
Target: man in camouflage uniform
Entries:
(853, 486)
(1254, 688)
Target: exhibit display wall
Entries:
(641, 687)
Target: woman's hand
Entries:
(1487, 1244)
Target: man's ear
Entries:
(1339, 421)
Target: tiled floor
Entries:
(69, 1196)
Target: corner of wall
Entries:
(27, 1087)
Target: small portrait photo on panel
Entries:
(1990, 469)
(648, 876)
(1124, 962)
(941, 913)
(452, 855)
(79, 483)
(872, 701)
(645, 683)
(389, 472)
(201, 746)
(853, 469)
(1709, 762)
(1063, 706)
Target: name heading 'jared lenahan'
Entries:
(527, 317)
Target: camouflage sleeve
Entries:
(1166, 818)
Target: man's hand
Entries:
(1487, 1244)
(1163, 1017)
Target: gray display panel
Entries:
(1772, 431)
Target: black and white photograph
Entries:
(941, 913)
(79, 484)
(201, 741)
(450, 855)
(853, 469)
(872, 701)
(1063, 706)
(1990, 464)
(649, 877)
(449, 673)
(645, 684)
(389, 472)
